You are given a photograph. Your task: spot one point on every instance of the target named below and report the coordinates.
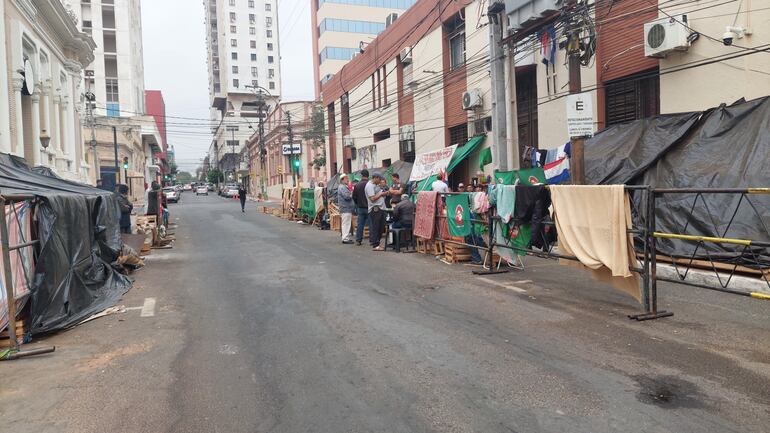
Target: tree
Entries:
(184, 177)
(216, 176)
(317, 135)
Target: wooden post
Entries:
(10, 296)
(577, 167)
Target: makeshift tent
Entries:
(79, 236)
(725, 147)
(458, 156)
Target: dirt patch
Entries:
(104, 360)
(668, 392)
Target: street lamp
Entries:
(45, 139)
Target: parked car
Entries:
(172, 195)
(178, 188)
(226, 187)
(231, 191)
(210, 186)
(201, 190)
(188, 187)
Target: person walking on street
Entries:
(346, 207)
(242, 197)
(376, 201)
(125, 209)
(362, 205)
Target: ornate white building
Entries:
(43, 54)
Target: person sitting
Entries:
(403, 213)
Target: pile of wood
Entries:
(454, 253)
(21, 330)
(430, 246)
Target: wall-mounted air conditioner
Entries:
(665, 35)
(348, 141)
(406, 132)
(406, 55)
(472, 99)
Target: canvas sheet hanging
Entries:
(425, 215)
(18, 219)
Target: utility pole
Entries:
(232, 130)
(115, 148)
(577, 167)
(291, 149)
(262, 153)
(90, 98)
(499, 104)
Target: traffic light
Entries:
(296, 164)
(125, 163)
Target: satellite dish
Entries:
(29, 78)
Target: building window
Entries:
(253, 57)
(269, 47)
(269, 33)
(390, 4)
(632, 98)
(232, 2)
(234, 56)
(235, 83)
(233, 29)
(270, 73)
(235, 69)
(254, 83)
(251, 4)
(350, 26)
(268, 21)
(254, 71)
(269, 59)
(268, 7)
(272, 85)
(337, 53)
(455, 31)
(233, 17)
(252, 30)
(252, 19)
(233, 42)
(253, 44)
(458, 134)
(382, 135)
(112, 90)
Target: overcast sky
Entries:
(175, 63)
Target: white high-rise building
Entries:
(243, 59)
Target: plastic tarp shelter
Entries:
(79, 236)
(460, 154)
(724, 147)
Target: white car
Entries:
(231, 192)
(202, 190)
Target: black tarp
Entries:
(725, 147)
(403, 168)
(78, 229)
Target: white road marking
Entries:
(503, 285)
(523, 282)
(148, 309)
(133, 308)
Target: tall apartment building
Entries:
(341, 27)
(243, 58)
(116, 78)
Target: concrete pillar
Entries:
(18, 84)
(71, 126)
(35, 159)
(5, 109)
(55, 131)
(66, 126)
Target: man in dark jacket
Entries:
(125, 209)
(362, 205)
(242, 196)
(403, 213)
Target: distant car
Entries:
(210, 186)
(201, 190)
(188, 187)
(172, 195)
(225, 188)
(231, 192)
(178, 188)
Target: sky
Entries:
(174, 39)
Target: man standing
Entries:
(362, 205)
(125, 209)
(346, 207)
(439, 185)
(242, 197)
(396, 189)
(376, 202)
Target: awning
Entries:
(458, 156)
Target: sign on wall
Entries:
(288, 149)
(580, 115)
(429, 163)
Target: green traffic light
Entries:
(296, 163)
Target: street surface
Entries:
(264, 325)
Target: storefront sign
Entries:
(580, 115)
(431, 163)
(288, 149)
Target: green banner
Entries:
(485, 158)
(458, 214)
(516, 236)
(505, 177)
(532, 176)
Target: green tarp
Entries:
(529, 176)
(458, 214)
(307, 203)
(458, 156)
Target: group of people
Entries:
(370, 199)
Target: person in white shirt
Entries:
(439, 185)
(375, 197)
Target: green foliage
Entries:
(317, 134)
(184, 177)
(216, 176)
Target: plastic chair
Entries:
(397, 235)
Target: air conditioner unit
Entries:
(665, 35)
(472, 99)
(406, 132)
(390, 19)
(347, 141)
(406, 55)
(407, 146)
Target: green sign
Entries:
(532, 176)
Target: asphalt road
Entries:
(264, 325)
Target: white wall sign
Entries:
(580, 115)
(429, 163)
(288, 149)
